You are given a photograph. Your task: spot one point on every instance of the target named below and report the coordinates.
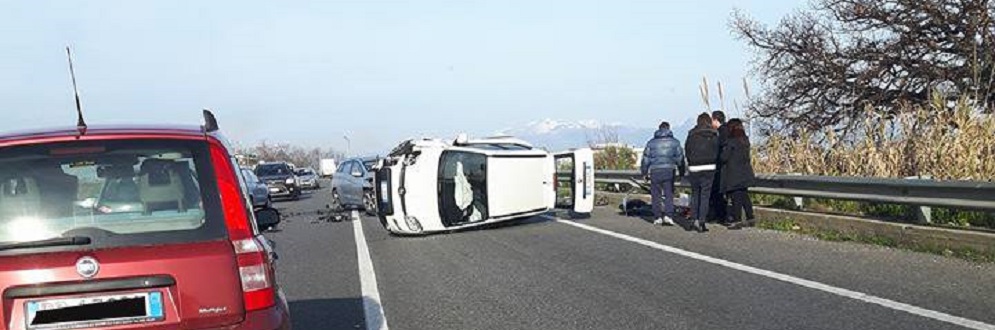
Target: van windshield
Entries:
(115, 189)
(463, 187)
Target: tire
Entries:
(369, 204)
(336, 205)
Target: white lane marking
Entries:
(372, 306)
(939, 316)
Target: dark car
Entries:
(188, 254)
(280, 179)
(352, 185)
(258, 191)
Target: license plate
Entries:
(95, 311)
(274, 189)
(384, 192)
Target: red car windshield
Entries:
(124, 192)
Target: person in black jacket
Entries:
(718, 200)
(701, 149)
(737, 174)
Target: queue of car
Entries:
(160, 228)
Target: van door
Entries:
(574, 186)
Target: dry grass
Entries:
(945, 145)
(956, 144)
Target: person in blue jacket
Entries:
(663, 164)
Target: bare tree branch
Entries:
(822, 67)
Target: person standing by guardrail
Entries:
(702, 147)
(737, 174)
(662, 156)
(718, 200)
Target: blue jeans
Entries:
(662, 186)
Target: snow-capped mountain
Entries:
(557, 135)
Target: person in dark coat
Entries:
(663, 159)
(718, 201)
(701, 149)
(737, 174)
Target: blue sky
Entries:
(379, 71)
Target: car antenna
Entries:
(80, 123)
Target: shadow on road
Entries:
(509, 224)
(303, 197)
(335, 313)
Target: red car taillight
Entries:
(253, 263)
(256, 274)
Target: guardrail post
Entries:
(799, 201)
(924, 214)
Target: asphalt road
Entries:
(543, 273)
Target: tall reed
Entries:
(956, 144)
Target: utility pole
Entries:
(348, 145)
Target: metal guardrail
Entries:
(916, 192)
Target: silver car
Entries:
(258, 192)
(352, 185)
(307, 178)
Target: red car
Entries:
(132, 228)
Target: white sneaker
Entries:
(669, 221)
(658, 222)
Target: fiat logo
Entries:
(87, 267)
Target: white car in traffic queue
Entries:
(429, 185)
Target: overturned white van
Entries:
(430, 185)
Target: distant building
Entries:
(246, 160)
